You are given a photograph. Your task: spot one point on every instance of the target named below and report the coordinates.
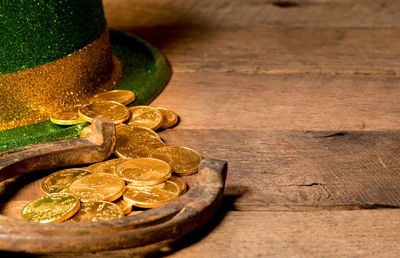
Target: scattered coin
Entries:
(179, 181)
(144, 162)
(58, 182)
(113, 110)
(105, 166)
(183, 161)
(144, 171)
(97, 211)
(55, 207)
(170, 118)
(68, 116)
(124, 97)
(98, 187)
(145, 116)
(151, 196)
(129, 147)
(125, 206)
(136, 131)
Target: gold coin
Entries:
(170, 118)
(136, 131)
(125, 206)
(144, 171)
(58, 182)
(130, 147)
(55, 207)
(113, 110)
(183, 161)
(151, 196)
(68, 116)
(105, 166)
(124, 97)
(98, 187)
(145, 116)
(179, 181)
(97, 211)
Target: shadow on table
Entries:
(169, 28)
(227, 205)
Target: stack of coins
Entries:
(145, 174)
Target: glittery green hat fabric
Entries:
(145, 71)
(35, 32)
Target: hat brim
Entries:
(146, 72)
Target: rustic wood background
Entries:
(302, 98)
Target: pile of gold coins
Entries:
(140, 178)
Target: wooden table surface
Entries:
(302, 98)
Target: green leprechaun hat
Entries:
(57, 53)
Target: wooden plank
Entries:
(290, 170)
(290, 102)
(284, 234)
(277, 50)
(299, 234)
(210, 13)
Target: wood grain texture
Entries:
(243, 13)
(281, 170)
(290, 102)
(285, 234)
(279, 50)
(291, 170)
(301, 234)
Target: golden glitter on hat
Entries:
(54, 54)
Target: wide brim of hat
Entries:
(146, 72)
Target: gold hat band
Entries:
(29, 96)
